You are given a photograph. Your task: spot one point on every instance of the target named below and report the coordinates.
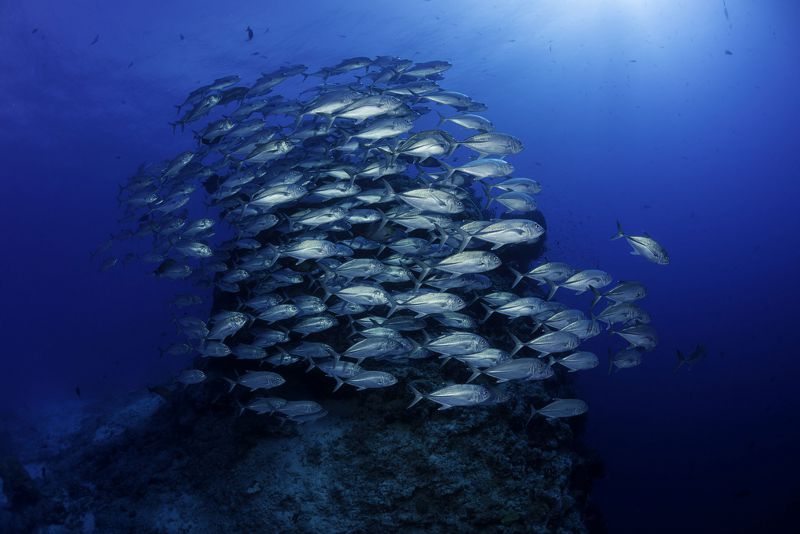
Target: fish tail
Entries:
(426, 269)
(339, 383)
(619, 233)
(417, 396)
(681, 360)
(449, 170)
(417, 282)
(232, 383)
(517, 276)
(465, 239)
(392, 306)
(326, 290)
(597, 296)
(530, 417)
(489, 312)
(553, 289)
(384, 220)
(442, 118)
(475, 374)
(517, 344)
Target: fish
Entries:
(255, 380)
(577, 361)
(517, 369)
(561, 408)
(455, 395)
(582, 281)
(695, 356)
(642, 336)
(624, 359)
(368, 380)
(517, 201)
(189, 377)
(548, 343)
(468, 120)
(622, 292)
(346, 232)
(493, 144)
(645, 246)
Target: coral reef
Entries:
(189, 466)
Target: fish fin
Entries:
(392, 307)
(681, 360)
(448, 170)
(445, 359)
(444, 407)
(533, 412)
(553, 289)
(619, 233)
(426, 337)
(384, 220)
(517, 276)
(475, 374)
(426, 269)
(326, 290)
(597, 297)
(417, 396)
(517, 344)
(489, 312)
(231, 382)
(339, 383)
(442, 118)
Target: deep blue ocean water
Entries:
(665, 115)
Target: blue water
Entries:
(629, 110)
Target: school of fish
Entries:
(340, 232)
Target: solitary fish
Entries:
(696, 355)
(645, 246)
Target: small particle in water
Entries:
(96, 38)
(728, 53)
(181, 36)
(35, 30)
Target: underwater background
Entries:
(678, 118)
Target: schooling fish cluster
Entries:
(350, 239)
